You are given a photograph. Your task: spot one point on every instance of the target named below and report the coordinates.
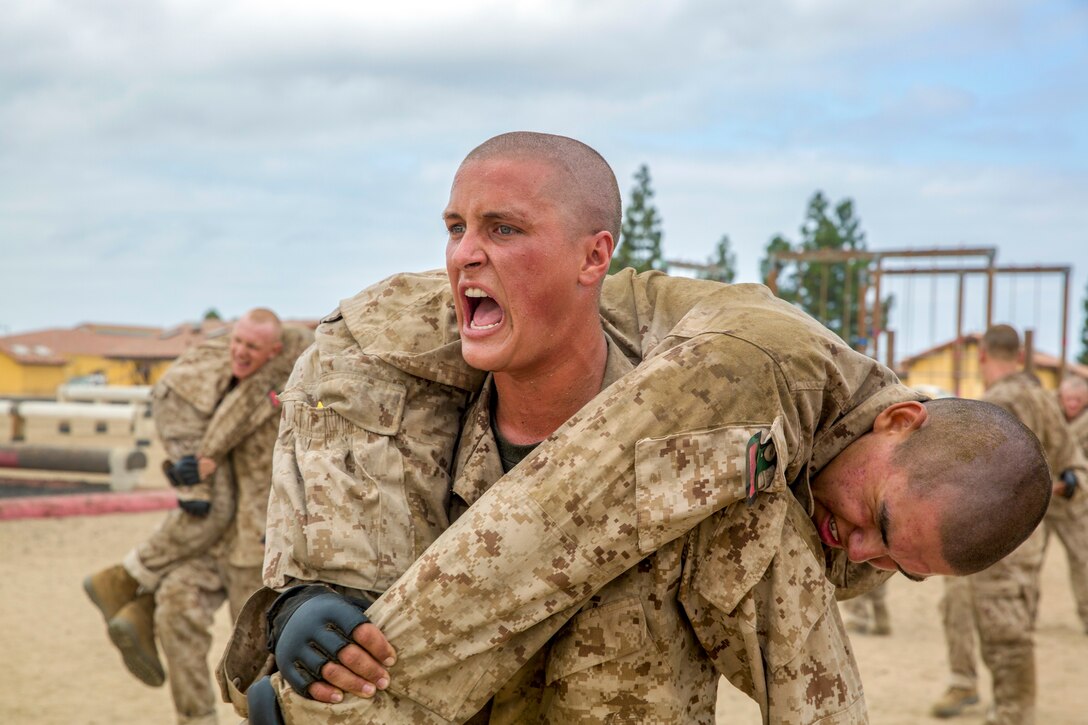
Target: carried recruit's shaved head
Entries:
(989, 470)
(587, 182)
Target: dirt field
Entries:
(61, 670)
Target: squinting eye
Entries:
(457, 229)
(504, 229)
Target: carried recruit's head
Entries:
(256, 338)
(949, 486)
(532, 222)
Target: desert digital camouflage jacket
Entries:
(197, 413)
(628, 655)
(1023, 396)
(658, 456)
(1079, 429)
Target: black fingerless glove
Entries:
(186, 472)
(1069, 478)
(193, 507)
(307, 627)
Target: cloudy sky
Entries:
(161, 157)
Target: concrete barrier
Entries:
(103, 393)
(124, 466)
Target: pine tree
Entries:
(723, 262)
(640, 235)
(820, 288)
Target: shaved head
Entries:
(1002, 342)
(989, 471)
(586, 182)
(1073, 395)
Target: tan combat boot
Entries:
(132, 630)
(954, 701)
(111, 589)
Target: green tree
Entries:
(826, 290)
(722, 265)
(1083, 357)
(640, 235)
(212, 314)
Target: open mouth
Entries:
(829, 532)
(483, 312)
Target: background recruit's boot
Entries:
(111, 589)
(954, 701)
(132, 630)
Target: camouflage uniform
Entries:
(668, 443)
(1005, 596)
(1078, 427)
(182, 403)
(1068, 518)
(628, 655)
(193, 577)
(868, 614)
(958, 619)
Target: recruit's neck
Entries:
(531, 405)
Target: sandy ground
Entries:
(61, 669)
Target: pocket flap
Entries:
(373, 404)
(683, 478)
(597, 635)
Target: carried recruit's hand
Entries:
(327, 647)
(205, 467)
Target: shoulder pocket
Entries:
(681, 479)
(372, 404)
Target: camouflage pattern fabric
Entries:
(191, 562)
(193, 418)
(1078, 427)
(185, 606)
(628, 655)
(1006, 595)
(665, 449)
(958, 620)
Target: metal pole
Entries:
(957, 353)
(1029, 350)
(1065, 328)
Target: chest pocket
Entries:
(597, 635)
(357, 523)
(683, 478)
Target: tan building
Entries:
(33, 364)
(935, 368)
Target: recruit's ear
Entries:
(901, 417)
(597, 256)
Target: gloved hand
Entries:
(308, 628)
(264, 708)
(1069, 478)
(195, 507)
(186, 472)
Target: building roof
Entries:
(1039, 358)
(55, 345)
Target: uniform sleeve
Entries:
(570, 518)
(179, 424)
(780, 640)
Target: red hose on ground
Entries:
(87, 504)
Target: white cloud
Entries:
(159, 142)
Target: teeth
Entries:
(475, 292)
(834, 529)
(474, 326)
